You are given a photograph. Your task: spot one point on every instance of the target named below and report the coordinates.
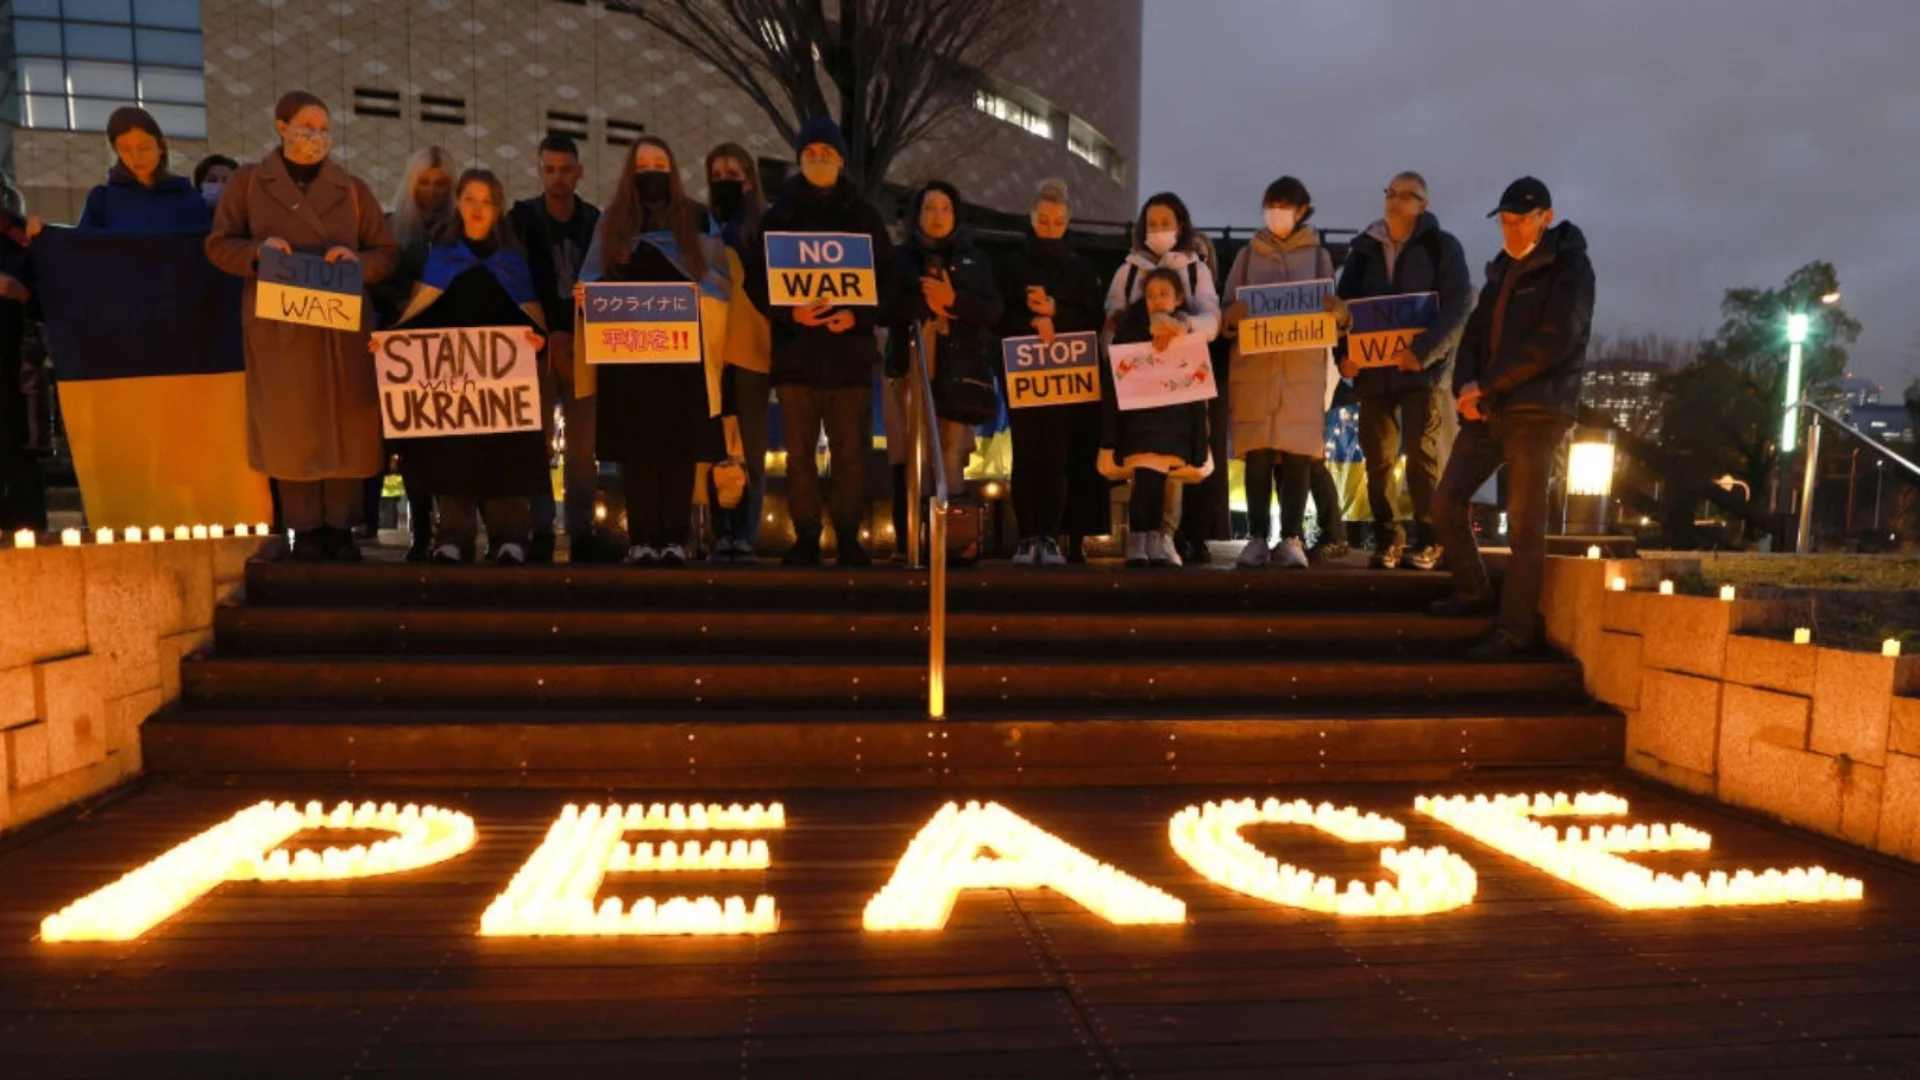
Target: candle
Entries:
(156, 534)
(239, 530)
(133, 534)
(1666, 588)
(216, 531)
(70, 537)
(1890, 647)
(199, 532)
(1726, 592)
(180, 532)
(1803, 636)
(1618, 584)
(1593, 551)
(261, 529)
(23, 539)
(103, 536)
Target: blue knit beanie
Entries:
(820, 129)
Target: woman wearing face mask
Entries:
(140, 195)
(659, 421)
(210, 176)
(1049, 290)
(476, 275)
(1278, 399)
(1164, 236)
(957, 301)
(733, 197)
(313, 411)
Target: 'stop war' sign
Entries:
(309, 290)
(821, 268)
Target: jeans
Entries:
(844, 412)
(1527, 444)
(459, 522)
(306, 505)
(580, 470)
(1391, 424)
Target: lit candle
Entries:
(180, 532)
(157, 534)
(1593, 551)
(23, 539)
(103, 536)
(70, 537)
(199, 532)
(1726, 592)
(239, 530)
(216, 531)
(1666, 588)
(261, 529)
(1890, 647)
(133, 534)
(1618, 584)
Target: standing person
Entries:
(422, 213)
(1517, 386)
(23, 503)
(735, 201)
(1163, 236)
(475, 275)
(659, 421)
(210, 176)
(556, 227)
(957, 301)
(1152, 445)
(140, 195)
(1279, 399)
(1400, 406)
(1050, 289)
(823, 356)
(313, 410)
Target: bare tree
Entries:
(895, 69)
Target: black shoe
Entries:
(310, 546)
(1327, 551)
(853, 556)
(422, 549)
(1195, 553)
(540, 549)
(1424, 557)
(804, 552)
(1460, 604)
(341, 546)
(1077, 550)
(1496, 648)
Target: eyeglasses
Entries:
(1405, 196)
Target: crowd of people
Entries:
(453, 252)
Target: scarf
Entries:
(445, 262)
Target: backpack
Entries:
(1193, 280)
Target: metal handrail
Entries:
(1810, 473)
(926, 442)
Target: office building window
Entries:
(81, 59)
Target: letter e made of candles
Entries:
(1065, 371)
(1289, 316)
(630, 323)
(835, 269)
(309, 290)
(470, 380)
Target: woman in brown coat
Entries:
(313, 413)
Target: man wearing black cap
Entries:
(1517, 383)
(823, 356)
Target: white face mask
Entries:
(1161, 241)
(1280, 221)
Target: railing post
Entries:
(937, 613)
(1804, 542)
(916, 457)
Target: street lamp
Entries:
(1796, 337)
(1588, 508)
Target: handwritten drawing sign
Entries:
(1287, 316)
(643, 324)
(832, 268)
(1066, 372)
(1384, 325)
(309, 290)
(1146, 379)
(470, 380)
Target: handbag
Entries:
(964, 389)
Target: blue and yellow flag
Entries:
(145, 339)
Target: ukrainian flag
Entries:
(145, 339)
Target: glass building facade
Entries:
(75, 61)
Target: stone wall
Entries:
(90, 644)
(1822, 738)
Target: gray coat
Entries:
(1279, 399)
(313, 412)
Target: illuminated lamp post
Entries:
(1589, 503)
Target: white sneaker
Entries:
(448, 554)
(1292, 554)
(1050, 552)
(673, 555)
(1137, 548)
(1160, 550)
(642, 555)
(1256, 555)
(1027, 553)
(511, 555)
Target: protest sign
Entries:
(468, 380)
(643, 324)
(830, 268)
(1144, 378)
(309, 290)
(1287, 316)
(1065, 372)
(1384, 325)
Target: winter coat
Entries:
(1431, 260)
(1203, 300)
(1278, 400)
(1526, 344)
(530, 223)
(1178, 431)
(123, 204)
(462, 286)
(17, 263)
(644, 406)
(814, 356)
(977, 304)
(313, 411)
(391, 296)
(1066, 275)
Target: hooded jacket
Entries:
(815, 356)
(1430, 260)
(1203, 298)
(123, 204)
(1278, 400)
(1526, 343)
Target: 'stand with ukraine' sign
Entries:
(821, 268)
(1065, 371)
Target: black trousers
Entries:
(1392, 424)
(659, 491)
(1148, 503)
(845, 413)
(508, 521)
(23, 494)
(1294, 472)
(1055, 453)
(306, 505)
(1525, 445)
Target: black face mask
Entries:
(726, 196)
(654, 187)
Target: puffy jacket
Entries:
(1431, 260)
(1278, 400)
(813, 355)
(1526, 343)
(1203, 299)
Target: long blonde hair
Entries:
(409, 224)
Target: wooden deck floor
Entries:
(385, 976)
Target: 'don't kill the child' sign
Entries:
(835, 269)
(309, 290)
(1287, 316)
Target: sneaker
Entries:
(448, 555)
(1137, 549)
(1255, 556)
(1292, 554)
(310, 546)
(1050, 552)
(541, 550)
(1028, 553)
(1424, 557)
(1460, 604)
(511, 555)
(643, 555)
(1387, 558)
(804, 552)
(673, 555)
(1160, 551)
(853, 555)
(1328, 551)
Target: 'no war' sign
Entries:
(821, 268)
(309, 290)
(1384, 325)
(1064, 372)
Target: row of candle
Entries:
(695, 817)
(422, 836)
(947, 857)
(26, 538)
(1506, 823)
(680, 915)
(1801, 635)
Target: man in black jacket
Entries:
(1517, 384)
(1406, 252)
(556, 228)
(823, 356)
